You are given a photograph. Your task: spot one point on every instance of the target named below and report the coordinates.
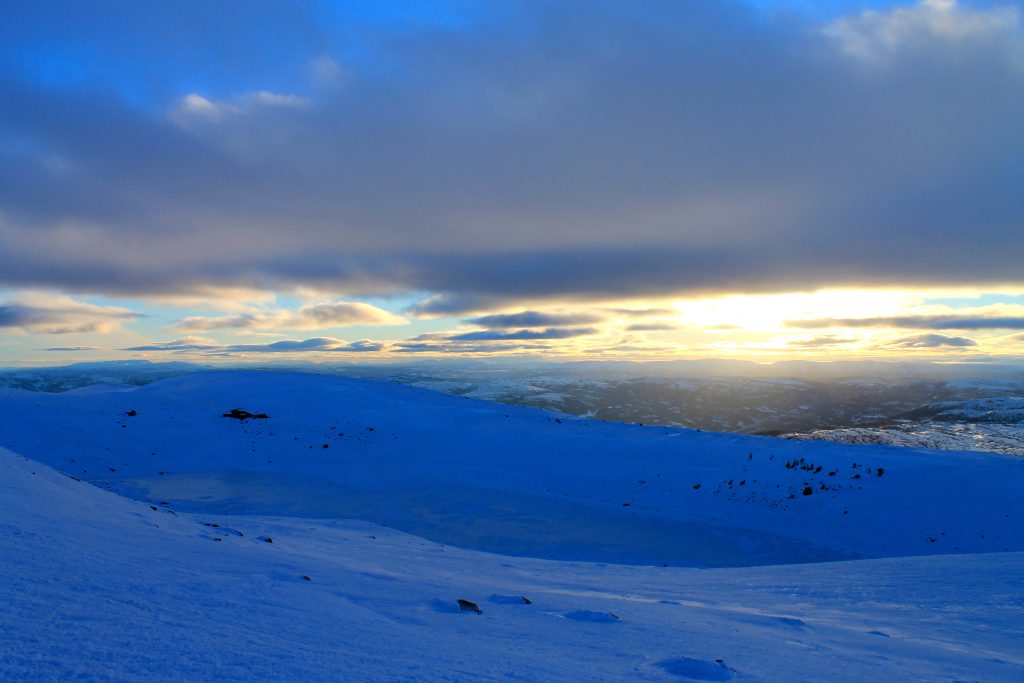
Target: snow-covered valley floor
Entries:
(203, 576)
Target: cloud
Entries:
(305, 345)
(813, 342)
(585, 150)
(441, 305)
(496, 348)
(362, 345)
(184, 344)
(195, 105)
(316, 316)
(72, 348)
(535, 319)
(929, 25)
(643, 312)
(932, 341)
(61, 315)
(924, 322)
(325, 70)
(652, 327)
(490, 341)
(316, 344)
(499, 335)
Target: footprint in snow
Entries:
(588, 615)
(697, 669)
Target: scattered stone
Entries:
(132, 413)
(306, 578)
(808, 490)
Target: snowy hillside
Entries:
(994, 424)
(203, 576)
(439, 466)
(971, 436)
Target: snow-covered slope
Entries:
(97, 587)
(515, 480)
(241, 559)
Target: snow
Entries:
(487, 503)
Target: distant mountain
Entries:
(984, 413)
(77, 375)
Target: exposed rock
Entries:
(243, 415)
(467, 606)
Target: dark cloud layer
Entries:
(923, 322)
(535, 319)
(315, 344)
(63, 317)
(499, 348)
(538, 150)
(519, 335)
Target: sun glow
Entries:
(769, 312)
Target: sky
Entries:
(342, 181)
